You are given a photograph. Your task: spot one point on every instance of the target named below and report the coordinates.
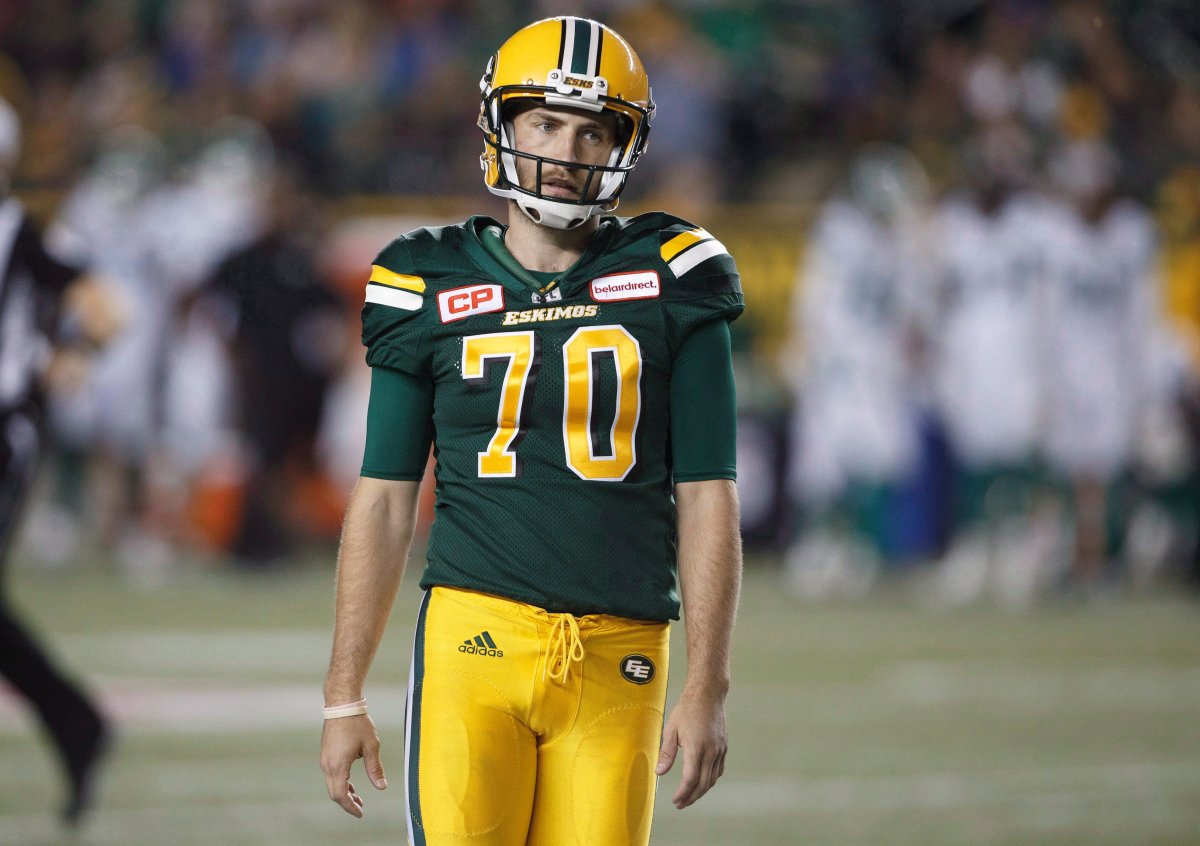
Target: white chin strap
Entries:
(555, 213)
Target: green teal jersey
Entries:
(551, 411)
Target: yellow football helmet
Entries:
(574, 62)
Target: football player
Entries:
(572, 370)
(856, 332)
(1105, 316)
(990, 249)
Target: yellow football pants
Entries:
(531, 729)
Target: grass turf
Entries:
(865, 723)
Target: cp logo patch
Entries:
(459, 303)
(637, 669)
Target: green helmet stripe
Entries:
(584, 33)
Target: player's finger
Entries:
(689, 779)
(336, 778)
(714, 772)
(352, 804)
(666, 755)
(374, 767)
(705, 776)
(341, 790)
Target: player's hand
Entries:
(96, 306)
(696, 725)
(344, 741)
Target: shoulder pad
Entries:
(700, 281)
(424, 252)
(700, 264)
(393, 282)
(404, 268)
(685, 248)
(395, 299)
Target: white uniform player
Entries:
(103, 224)
(856, 421)
(991, 255)
(1103, 310)
(992, 291)
(216, 210)
(1104, 315)
(856, 428)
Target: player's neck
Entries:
(542, 248)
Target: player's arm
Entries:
(376, 535)
(710, 567)
(704, 455)
(92, 308)
(378, 530)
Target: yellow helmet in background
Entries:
(573, 62)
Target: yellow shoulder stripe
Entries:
(681, 242)
(392, 279)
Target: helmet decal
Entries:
(579, 49)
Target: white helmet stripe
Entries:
(594, 49)
(566, 50)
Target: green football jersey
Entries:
(551, 406)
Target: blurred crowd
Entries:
(995, 315)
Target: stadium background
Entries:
(869, 716)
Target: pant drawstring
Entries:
(565, 648)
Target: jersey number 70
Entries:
(580, 356)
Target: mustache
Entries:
(577, 180)
(562, 176)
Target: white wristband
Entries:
(352, 709)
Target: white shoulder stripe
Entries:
(394, 297)
(688, 259)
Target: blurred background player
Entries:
(1103, 314)
(36, 291)
(154, 419)
(282, 325)
(107, 427)
(855, 361)
(989, 244)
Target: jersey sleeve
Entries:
(399, 425)
(701, 283)
(704, 406)
(393, 316)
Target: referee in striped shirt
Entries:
(38, 295)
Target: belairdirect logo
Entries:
(483, 645)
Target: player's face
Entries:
(569, 135)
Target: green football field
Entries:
(879, 722)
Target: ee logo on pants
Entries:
(637, 669)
